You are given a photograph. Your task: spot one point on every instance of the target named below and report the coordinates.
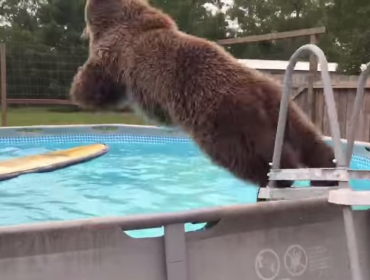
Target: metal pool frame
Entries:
(300, 233)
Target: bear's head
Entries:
(111, 27)
(115, 19)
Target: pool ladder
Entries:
(342, 194)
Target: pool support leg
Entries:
(175, 250)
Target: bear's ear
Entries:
(94, 89)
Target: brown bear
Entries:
(229, 110)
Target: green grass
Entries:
(27, 116)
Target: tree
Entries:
(192, 17)
(44, 47)
(62, 23)
(350, 34)
(260, 17)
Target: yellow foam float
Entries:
(50, 161)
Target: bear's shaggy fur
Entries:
(229, 110)
(110, 92)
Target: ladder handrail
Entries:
(329, 100)
(355, 112)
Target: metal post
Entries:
(352, 244)
(356, 112)
(347, 212)
(3, 84)
(311, 79)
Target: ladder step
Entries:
(349, 197)
(293, 193)
(318, 174)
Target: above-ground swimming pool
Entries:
(147, 170)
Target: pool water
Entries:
(132, 178)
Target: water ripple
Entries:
(130, 179)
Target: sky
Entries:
(228, 3)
